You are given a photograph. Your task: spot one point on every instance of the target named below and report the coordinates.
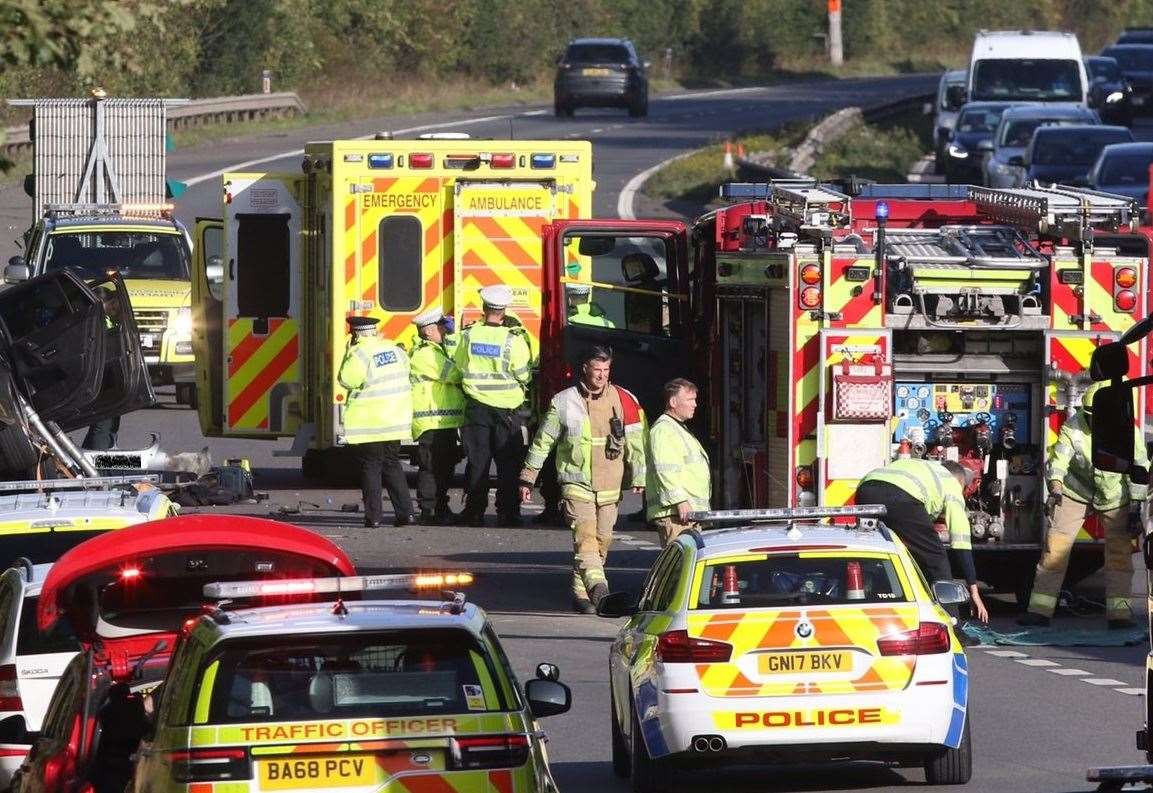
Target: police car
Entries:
(782, 638)
(348, 696)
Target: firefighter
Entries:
(1077, 490)
(598, 430)
(377, 417)
(581, 309)
(437, 414)
(914, 492)
(494, 360)
(678, 467)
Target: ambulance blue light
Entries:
(882, 210)
(544, 161)
(380, 161)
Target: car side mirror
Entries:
(617, 604)
(547, 697)
(956, 96)
(16, 271)
(949, 593)
(985, 146)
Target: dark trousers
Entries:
(909, 519)
(102, 434)
(380, 461)
(492, 434)
(437, 453)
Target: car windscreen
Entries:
(1020, 133)
(1136, 59)
(1023, 79)
(375, 674)
(1125, 169)
(596, 53)
(1105, 68)
(979, 120)
(134, 254)
(31, 641)
(1079, 147)
(805, 578)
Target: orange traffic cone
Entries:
(740, 151)
(728, 161)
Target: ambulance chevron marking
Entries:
(282, 368)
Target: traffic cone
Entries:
(740, 151)
(731, 593)
(728, 162)
(854, 582)
(904, 451)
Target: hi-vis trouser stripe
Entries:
(842, 627)
(257, 364)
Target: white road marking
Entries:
(1036, 662)
(1068, 672)
(629, 191)
(1136, 692)
(1007, 654)
(721, 92)
(1102, 681)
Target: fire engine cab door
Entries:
(622, 284)
(262, 304)
(207, 322)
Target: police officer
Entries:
(1076, 491)
(581, 309)
(598, 430)
(494, 360)
(437, 414)
(377, 417)
(678, 467)
(914, 492)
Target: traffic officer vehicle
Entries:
(348, 695)
(784, 639)
(126, 595)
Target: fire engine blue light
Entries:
(380, 161)
(882, 210)
(544, 161)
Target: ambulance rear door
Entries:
(497, 241)
(262, 303)
(207, 322)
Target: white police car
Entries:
(785, 639)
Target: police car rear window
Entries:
(799, 579)
(396, 673)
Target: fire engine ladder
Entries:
(1068, 212)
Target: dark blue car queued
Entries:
(963, 153)
(1064, 155)
(1123, 168)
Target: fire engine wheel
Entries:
(621, 762)
(952, 766)
(649, 775)
(17, 454)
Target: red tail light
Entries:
(1125, 300)
(929, 638)
(210, 765)
(677, 647)
(489, 751)
(810, 297)
(420, 161)
(9, 689)
(804, 477)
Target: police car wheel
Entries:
(649, 775)
(621, 761)
(952, 766)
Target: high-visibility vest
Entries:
(589, 314)
(1071, 463)
(437, 401)
(567, 426)
(930, 483)
(678, 469)
(379, 402)
(495, 364)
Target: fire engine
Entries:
(832, 333)
(383, 228)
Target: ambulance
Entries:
(382, 228)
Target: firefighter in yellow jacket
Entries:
(1077, 490)
(598, 430)
(495, 363)
(437, 414)
(377, 417)
(679, 481)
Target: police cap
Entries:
(497, 297)
(362, 323)
(430, 317)
(580, 290)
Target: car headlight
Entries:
(182, 325)
(1116, 96)
(957, 151)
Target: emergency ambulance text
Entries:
(399, 200)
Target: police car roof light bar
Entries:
(402, 582)
(786, 514)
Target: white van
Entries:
(1027, 66)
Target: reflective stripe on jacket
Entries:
(567, 426)
(678, 469)
(1071, 463)
(495, 364)
(931, 483)
(437, 400)
(379, 402)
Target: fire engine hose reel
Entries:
(862, 392)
